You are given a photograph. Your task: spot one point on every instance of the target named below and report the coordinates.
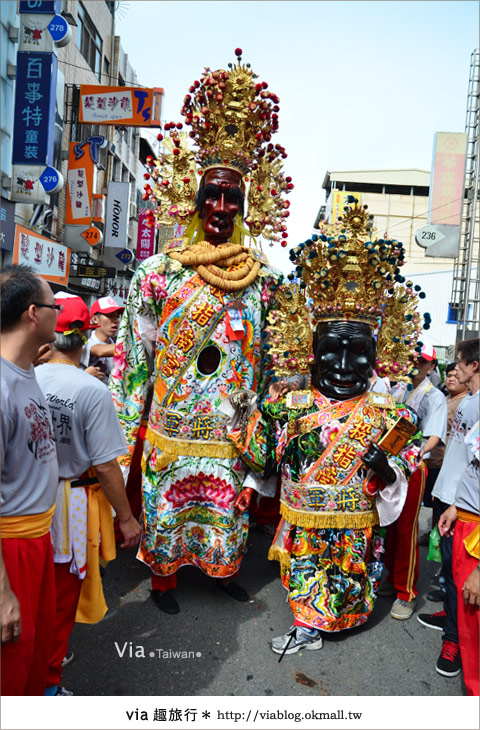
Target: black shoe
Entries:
(449, 663)
(436, 596)
(234, 591)
(436, 621)
(165, 601)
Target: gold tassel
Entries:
(177, 447)
(278, 553)
(346, 520)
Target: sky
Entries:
(362, 85)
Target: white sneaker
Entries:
(402, 610)
(298, 637)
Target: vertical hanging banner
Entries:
(34, 116)
(81, 177)
(7, 224)
(116, 219)
(47, 258)
(146, 236)
(448, 178)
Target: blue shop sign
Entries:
(7, 224)
(125, 256)
(41, 6)
(34, 119)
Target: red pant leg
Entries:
(68, 588)
(468, 617)
(402, 553)
(164, 582)
(29, 565)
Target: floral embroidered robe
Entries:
(329, 542)
(191, 473)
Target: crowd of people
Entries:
(221, 383)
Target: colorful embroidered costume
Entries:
(329, 543)
(192, 474)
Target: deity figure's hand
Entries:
(376, 460)
(242, 502)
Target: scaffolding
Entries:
(465, 289)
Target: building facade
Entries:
(94, 56)
(397, 201)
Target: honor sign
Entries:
(116, 219)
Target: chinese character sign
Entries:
(448, 178)
(81, 184)
(146, 236)
(7, 224)
(130, 106)
(47, 258)
(50, 7)
(34, 119)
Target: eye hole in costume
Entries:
(208, 360)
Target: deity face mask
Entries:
(344, 359)
(219, 200)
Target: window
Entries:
(89, 42)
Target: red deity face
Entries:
(219, 200)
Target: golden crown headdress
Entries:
(345, 274)
(232, 118)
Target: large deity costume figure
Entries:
(193, 326)
(344, 454)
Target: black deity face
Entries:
(219, 200)
(344, 359)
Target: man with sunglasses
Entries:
(29, 484)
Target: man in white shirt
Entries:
(402, 552)
(89, 440)
(98, 351)
(454, 473)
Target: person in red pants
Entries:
(462, 520)
(402, 552)
(89, 439)
(29, 485)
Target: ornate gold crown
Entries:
(289, 332)
(350, 277)
(232, 118)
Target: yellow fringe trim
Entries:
(355, 520)
(177, 447)
(278, 553)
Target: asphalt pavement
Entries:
(217, 646)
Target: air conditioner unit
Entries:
(133, 210)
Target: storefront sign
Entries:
(47, 258)
(448, 178)
(116, 219)
(34, 35)
(96, 272)
(120, 105)
(146, 236)
(34, 116)
(49, 7)
(26, 185)
(7, 224)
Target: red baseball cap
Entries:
(428, 353)
(74, 310)
(105, 305)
